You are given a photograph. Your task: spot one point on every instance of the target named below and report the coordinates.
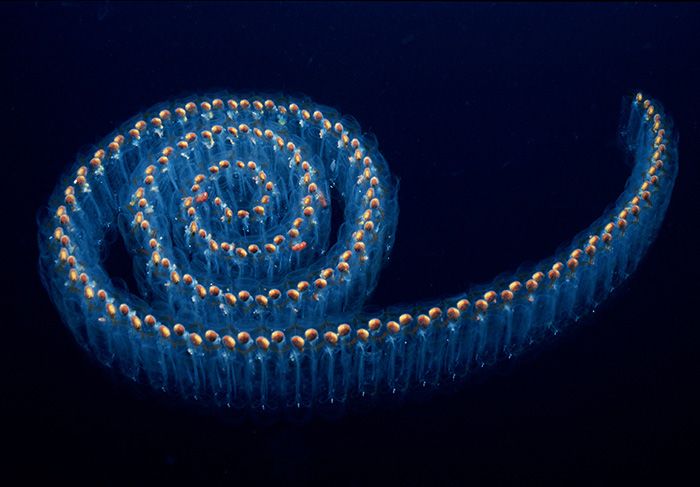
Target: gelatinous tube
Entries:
(244, 301)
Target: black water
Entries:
(501, 122)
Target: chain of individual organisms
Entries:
(245, 300)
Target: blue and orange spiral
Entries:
(248, 298)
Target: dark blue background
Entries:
(501, 122)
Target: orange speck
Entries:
(228, 342)
(298, 247)
(453, 314)
(262, 343)
(111, 310)
(531, 285)
(195, 339)
(405, 319)
(298, 342)
(374, 324)
(136, 322)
